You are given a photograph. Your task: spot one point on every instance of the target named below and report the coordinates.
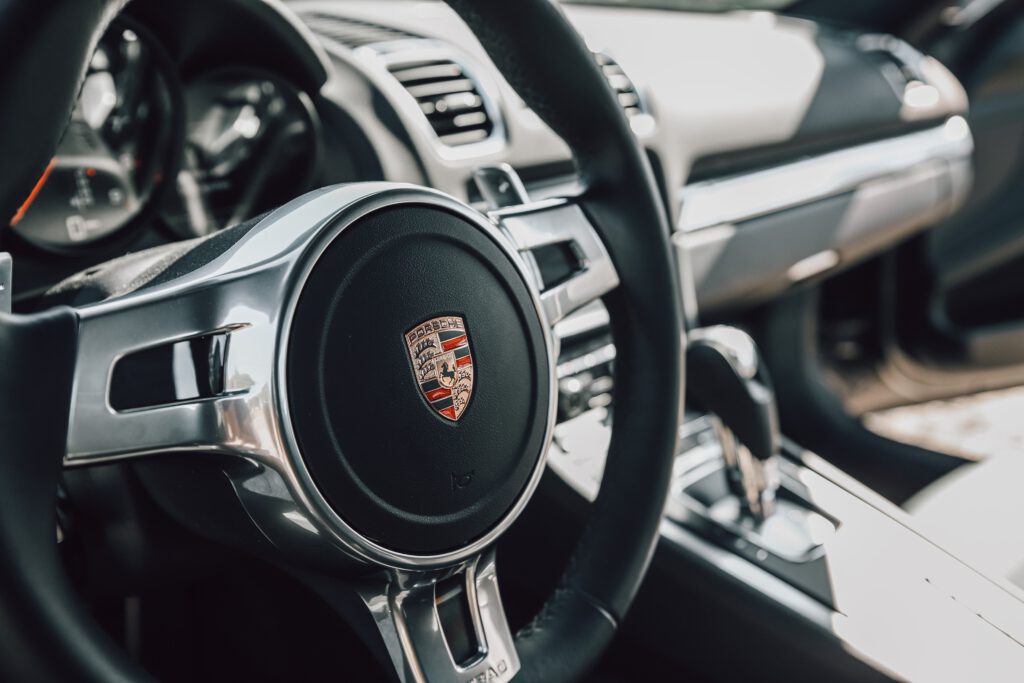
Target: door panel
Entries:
(948, 317)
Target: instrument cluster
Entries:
(146, 148)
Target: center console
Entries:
(831, 569)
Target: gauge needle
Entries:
(34, 193)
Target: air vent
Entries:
(449, 98)
(624, 89)
(352, 33)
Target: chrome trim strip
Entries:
(588, 319)
(742, 197)
(555, 221)
(404, 610)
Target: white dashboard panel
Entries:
(714, 82)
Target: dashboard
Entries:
(780, 144)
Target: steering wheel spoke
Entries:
(444, 627)
(194, 375)
(560, 233)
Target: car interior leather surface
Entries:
(47, 633)
(38, 602)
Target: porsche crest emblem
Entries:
(443, 364)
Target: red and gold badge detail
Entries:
(443, 364)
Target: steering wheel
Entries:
(369, 368)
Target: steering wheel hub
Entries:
(419, 379)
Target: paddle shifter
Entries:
(726, 377)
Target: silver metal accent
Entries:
(813, 265)
(500, 186)
(252, 291)
(405, 612)
(6, 281)
(753, 481)
(590, 318)
(750, 195)
(794, 531)
(552, 222)
(734, 344)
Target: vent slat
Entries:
(629, 100)
(464, 138)
(428, 73)
(459, 102)
(448, 96)
(621, 85)
(475, 118)
(459, 85)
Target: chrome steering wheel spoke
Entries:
(444, 627)
(192, 377)
(561, 224)
(200, 353)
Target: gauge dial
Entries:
(250, 145)
(116, 152)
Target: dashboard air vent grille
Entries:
(352, 33)
(448, 97)
(624, 89)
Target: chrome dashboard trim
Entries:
(555, 221)
(739, 198)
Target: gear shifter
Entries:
(726, 377)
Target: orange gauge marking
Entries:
(34, 193)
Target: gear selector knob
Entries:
(726, 377)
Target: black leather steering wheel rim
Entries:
(534, 46)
